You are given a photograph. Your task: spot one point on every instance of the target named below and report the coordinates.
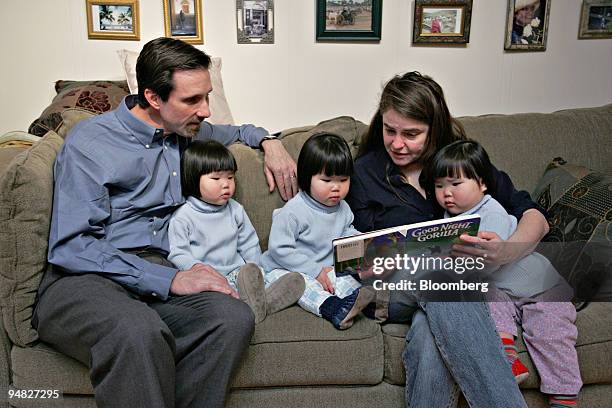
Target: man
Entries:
(152, 336)
(184, 20)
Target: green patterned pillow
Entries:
(579, 205)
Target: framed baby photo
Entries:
(112, 20)
(354, 20)
(527, 25)
(442, 22)
(183, 20)
(255, 21)
(595, 19)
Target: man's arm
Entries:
(280, 169)
(77, 241)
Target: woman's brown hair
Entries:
(417, 97)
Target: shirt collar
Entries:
(315, 205)
(142, 131)
(203, 206)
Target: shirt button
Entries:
(147, 146)
(154, 232)
(174, 173)
(153, 294)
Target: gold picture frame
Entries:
(183, 20)
(595, 19)
(113, 19)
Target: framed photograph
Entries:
(442, 21)
(595, 19)
(354, 20)
(527, 25)
(183, 20)
(112, 19)
(255, 21)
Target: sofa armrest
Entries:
(5, 365)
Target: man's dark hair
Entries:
(203, 157)
(157, 62)
(465, 158)
(323, 153)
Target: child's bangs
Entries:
(454, 168)
(337, 164)
(219, 162)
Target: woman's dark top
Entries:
(380, 198)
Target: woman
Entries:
(451, 346)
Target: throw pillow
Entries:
(26, 193)
(71, 117)
(579, 244)
(93, 96)
(220, 113)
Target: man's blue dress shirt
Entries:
(117, 181)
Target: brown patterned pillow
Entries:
(579, 205)
(93, 96)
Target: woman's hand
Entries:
(487, 245)
(324, 280)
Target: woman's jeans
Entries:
(453, 346)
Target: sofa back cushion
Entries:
(251, 188)
(26, 193)
(523, 144)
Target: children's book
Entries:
(356, 253)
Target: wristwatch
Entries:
(268, 137)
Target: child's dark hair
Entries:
(323, 153)
(203, 157)
(465, 158)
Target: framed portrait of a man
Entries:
(527, 25)
(183, 20)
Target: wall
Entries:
(297, 81)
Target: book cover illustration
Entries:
(356, 253)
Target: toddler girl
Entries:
(213, 229)
(528, 291)
(303, 230)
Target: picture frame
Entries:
(442, 22)
(113, 19)
(527, 25)
(359, 20)
(595, 19)
(183, 20)
(255, 21)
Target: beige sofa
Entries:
(295, 359)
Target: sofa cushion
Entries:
(26, 191)
(295, 347)
(93, 96)
(251, 187)
(594, 347)
(220, 111)
(579, 205)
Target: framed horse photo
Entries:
(357, 20)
